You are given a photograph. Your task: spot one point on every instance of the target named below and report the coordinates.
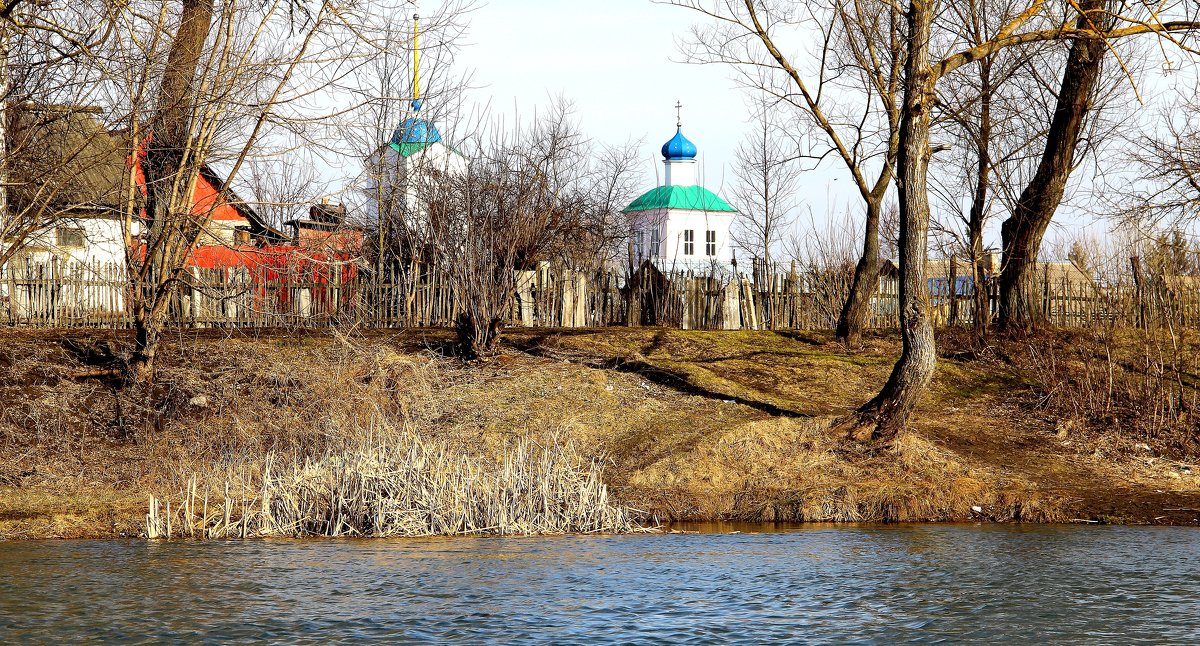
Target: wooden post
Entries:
(1138, 291)
(953, 291)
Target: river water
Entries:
(886, 584)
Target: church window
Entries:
(689, 242)
(710, 243)
(638, 251)
(656, 243)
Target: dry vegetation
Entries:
(397, 484)
(689, 425)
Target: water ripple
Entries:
(896, 584)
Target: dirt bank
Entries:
(695, 425)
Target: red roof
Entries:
(204, 197)
(204, 202)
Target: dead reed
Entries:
(409, 486)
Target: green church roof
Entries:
(407, 149)
(693, 198)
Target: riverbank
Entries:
(693, 425)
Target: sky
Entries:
(619, 63)
(616, 61)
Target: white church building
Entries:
(396, 177)
(681, 225)
(398, 173)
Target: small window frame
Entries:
(70, 237)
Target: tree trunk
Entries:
(856, 311)
(477, 337)
(979, 200)
(141, 361)
(166, 173)
(887, 413)
(1022, 232)
(4, 100)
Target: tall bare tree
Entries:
(1023, 231)
(767, 176)
(848, 95)
(990, 111)
(229, 75)
(927, 23)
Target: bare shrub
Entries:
(521, 195)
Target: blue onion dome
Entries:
(416, 131)
(679, 147)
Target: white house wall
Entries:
(104, 243)
(93, 273)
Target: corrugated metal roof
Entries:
(693, 198)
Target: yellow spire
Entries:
(416, 60)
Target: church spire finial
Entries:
(678, 114)
(416, 53)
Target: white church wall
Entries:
(386, 170)
(699, 223)
(680, 172)
(673, 226)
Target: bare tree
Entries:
(283, 188)
(989, 109)
(1167, 194)
(767, 177)
(230, 71)
(611, 181)
(44, 80)
(848, 96)
(1077, 94)
(888, 412)
(521, 191)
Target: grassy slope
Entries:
(697, 425)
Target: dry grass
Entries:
(399, 485)
(695, 426)
(795, 471)
(1121, 389)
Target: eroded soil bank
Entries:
(694, 425)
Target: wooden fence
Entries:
(57, 295)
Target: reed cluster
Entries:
(412, 486)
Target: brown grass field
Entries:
(690, 425)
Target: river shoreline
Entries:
(692, 426)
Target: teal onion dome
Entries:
(679, 147)
(416, 131)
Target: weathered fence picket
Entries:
(72, 295)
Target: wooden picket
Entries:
(73, 295)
